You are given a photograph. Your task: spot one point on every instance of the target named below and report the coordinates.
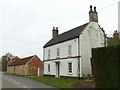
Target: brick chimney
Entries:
(93, 16)
(116, 35)
(54, 32)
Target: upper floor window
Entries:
(69, 67)
(69, 50)
(48, 54)
(58, 52)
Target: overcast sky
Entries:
(26, 25)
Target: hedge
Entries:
(106, 67)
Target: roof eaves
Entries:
(61, 41)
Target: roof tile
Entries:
(17, 61)
(71, 34)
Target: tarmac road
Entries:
(16, 82)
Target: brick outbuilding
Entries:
(28, 66)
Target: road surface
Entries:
(16, 82)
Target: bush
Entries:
(106, 67)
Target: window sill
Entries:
(48, 73)
(70, 73)
(57, 57)
(69, 56)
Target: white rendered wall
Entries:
(63, 67)
(63, 47)
(91, 37)
(63, 54)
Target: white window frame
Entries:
(58, 52)
(69, 50)
(48, 54)
(48, 67)
(70, 71)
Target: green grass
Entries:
(57, 82)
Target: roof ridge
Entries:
(73, 29)
(27, 57)
(21, 61)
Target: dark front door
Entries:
(57, 69)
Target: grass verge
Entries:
(57, 82)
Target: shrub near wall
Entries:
(106, 67)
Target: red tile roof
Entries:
(13, 61)
(17, 61)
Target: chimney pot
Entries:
(94, 9)
(90, 7)
(53, 28)
(56, 28)
(93, 16)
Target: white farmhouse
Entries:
(68, 54)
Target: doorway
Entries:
(38, 71)
(57, 70)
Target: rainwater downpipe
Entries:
(79, 60)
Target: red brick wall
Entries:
(33, 64)
(35, 61)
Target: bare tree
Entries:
(5, 58)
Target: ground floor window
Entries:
(48, 67)
(69, 67)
